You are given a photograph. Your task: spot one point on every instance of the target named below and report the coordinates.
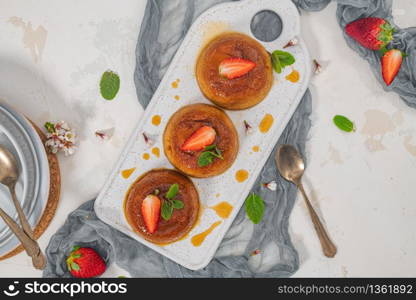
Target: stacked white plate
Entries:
(19, 136)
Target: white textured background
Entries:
(52, 54)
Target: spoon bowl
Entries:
(289, 163)
(9, 171)
(9, 174)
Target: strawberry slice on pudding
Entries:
(151, 212)
(235, 67)
(162, 206)
(201, 138)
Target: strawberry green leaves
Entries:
(281, 59)
(254, 208)
(109, 85)
(386, 33)
(169, 204)
(72, 265)
(344, 123)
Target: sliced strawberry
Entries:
(151, 212)
(390, 65)
(372, 33)
(235, 67)
(201, 138)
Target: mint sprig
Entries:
(169, 203)
(208, 155)
(281, 59)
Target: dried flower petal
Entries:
(149, 142)
(291, 43)
(248, 127)
(318, 67)
(272, 185)
(105, 134)
(255, 252)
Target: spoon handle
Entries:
(328, 247)
(30, 245)
(22, 217)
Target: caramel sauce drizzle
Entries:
(266, 123)
(294, 76)
(223, 209)
(241, 175)
(198, 239)
(156, 151)
(156, 119)
(127, 173)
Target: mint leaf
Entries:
(219, 153)
(109, 85)
(281, 59)
(276, 63)
(211, 147)
(254, 208)
(344, 123)
(205, 159)
(177, 204)
(167, 210)
(215, 154)
(286, 59)
(172, 192)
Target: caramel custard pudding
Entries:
(245, 90)
(155, 186)
(200, 140)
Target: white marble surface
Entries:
(52, 55)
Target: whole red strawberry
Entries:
(85, 263)
(372, 33)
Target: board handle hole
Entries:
(266, 25)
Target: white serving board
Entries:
(281, 102)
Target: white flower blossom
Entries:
(60, 137)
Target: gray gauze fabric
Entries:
(404, 39)
(164, 25)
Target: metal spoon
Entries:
(291, 166)
(30, 245)
(9, 174)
